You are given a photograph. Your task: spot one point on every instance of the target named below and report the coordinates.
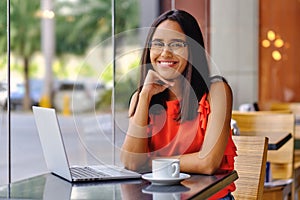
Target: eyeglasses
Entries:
(175, 46)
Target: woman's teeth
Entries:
(167, 62)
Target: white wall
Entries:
(149, 10)
(234, 46)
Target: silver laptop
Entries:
(56, 157)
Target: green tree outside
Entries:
(86, 23)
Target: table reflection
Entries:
(49, 186)
(165, 192)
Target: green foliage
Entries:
(125, 86)
(127, 13)
(123, 91)
(80, 24)
(3, 62)
(107, 74)
(85, 70)
(3, 26)
(59, 70)
(33, 68)
(62, 71)
(104, 105)
(25, 27)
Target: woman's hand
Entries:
(155, 83)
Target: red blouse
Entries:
(168, 137)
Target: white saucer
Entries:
(165, 181)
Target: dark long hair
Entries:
(196, 72)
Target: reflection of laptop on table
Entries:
(56, 157)
(57, 188)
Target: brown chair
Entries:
(267, 123)
(293, 107)
(250, 165)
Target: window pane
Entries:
(65, 63)
(133, 19)
(3, 94)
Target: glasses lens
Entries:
(175, 47)
(156, 45)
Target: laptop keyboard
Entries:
(112, 171)
(86, 172)
(100, 172)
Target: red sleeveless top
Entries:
(168, 137)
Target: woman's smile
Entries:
(167, 63)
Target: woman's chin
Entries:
(169, 74)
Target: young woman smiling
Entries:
(179, 110)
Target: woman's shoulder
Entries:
(218, 78)
(218, 81)
(219, 86)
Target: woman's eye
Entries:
(157, 44)
(176, 44)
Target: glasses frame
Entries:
(168, 45)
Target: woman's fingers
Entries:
(167, 83)
(154, 77)
(155, 84)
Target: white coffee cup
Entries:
(165, 168)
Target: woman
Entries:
(179, 110)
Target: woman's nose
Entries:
(166, 51)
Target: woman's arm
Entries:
(134, 153)
(135, 146)
(208, 160)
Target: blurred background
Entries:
(81, 57)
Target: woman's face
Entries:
(168, 50)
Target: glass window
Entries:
(61, 58)
(66, 62)
(129, 43)
(3, 93)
